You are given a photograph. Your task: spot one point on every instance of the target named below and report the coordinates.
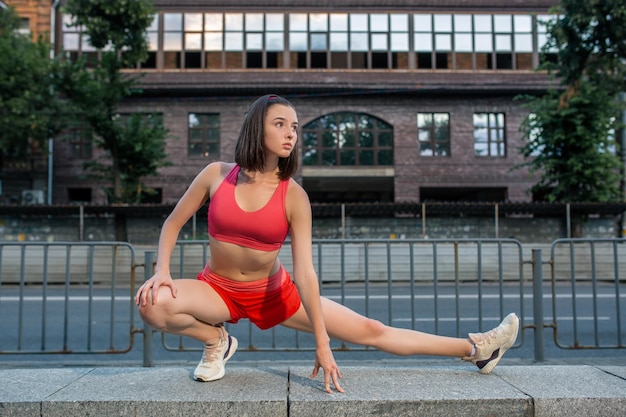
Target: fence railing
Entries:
(66, 297)
(72, 297)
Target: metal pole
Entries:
(81, 223)
(148, 333)
(423, 221)
(496, 216)
(568, 221)
(538, 304)
(623, 152)
(343, 221)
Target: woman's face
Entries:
(281, 130)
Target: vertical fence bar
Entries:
(538, 304)
(149, 258)
(497, 224)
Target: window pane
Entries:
(71, 41)
(443, 42)
(523, 23)
(338, 22)
(318, 42)
(298, 41)
(366, 157)
(424, 120)
(193, 22)
(213, 21)
(233, 41)
(483, 43)
(379, 42)
(154, 25)
(423, 42)
(462, 23)
(338, 41)
(400, 42)
(298, 22)
(443, 23)
(385, 157)
(254, 22)
(463, 42)
(274, 22)
(422, 23)
(234, 21)
(173, 21)
(358, 22)
(213, 41)
(318, 22)
(310, 157)
(329, 158)
(358, 42)
(503, 43)
(172, 41)
(254, 41)
(193, 41)
(274, 41)
(524, 43)
(482, 23)
(366, 139)
(379, 23)
(385, 139)
(329, 140)
(502, 23)
(153, 41)
(399, 22)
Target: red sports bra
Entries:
(264, 229)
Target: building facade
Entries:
(398, 101)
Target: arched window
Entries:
(347, 139)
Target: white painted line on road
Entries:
(528, 319)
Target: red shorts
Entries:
(266, 302)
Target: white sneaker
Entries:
(490, 346)
(215, 355)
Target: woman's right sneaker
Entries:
(490, 346)
(215, 355)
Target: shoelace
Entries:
(211, 352)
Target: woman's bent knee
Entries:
(155, 314)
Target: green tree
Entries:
(30, 111)
(571, 129)
(117, 28)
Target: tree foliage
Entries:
(571, 129)
(135, 149)
(30, 111)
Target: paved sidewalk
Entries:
(283, 390)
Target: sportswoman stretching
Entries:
(254, 206)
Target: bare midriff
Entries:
(240, 263)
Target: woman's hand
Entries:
(324, 359)
(151, 287)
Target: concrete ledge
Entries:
(557, 390)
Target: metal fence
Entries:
(78, 297)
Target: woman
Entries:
(254, 205)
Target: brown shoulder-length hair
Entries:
(250, 151)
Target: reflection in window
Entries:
(204, 135)
(460, 41)
(489, 134)
(433, 131)
(347, 139)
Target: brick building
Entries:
(401, 101)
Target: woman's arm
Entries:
(299, 216)
(195, 196)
